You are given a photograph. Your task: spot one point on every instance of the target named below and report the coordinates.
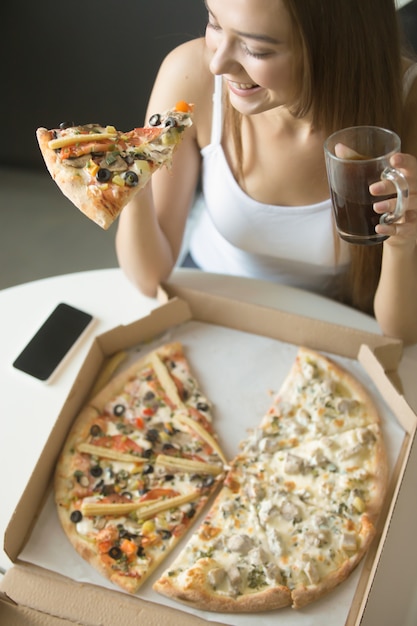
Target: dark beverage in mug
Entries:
(353, 204)
(355, 158)
(356, 222)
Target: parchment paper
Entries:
(238, 372)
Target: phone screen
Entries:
(52, 342)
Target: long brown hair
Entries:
(347, 72)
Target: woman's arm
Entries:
(396, 297)
(151, 227)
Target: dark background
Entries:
(90, 61)
(83, 61)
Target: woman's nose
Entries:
(223, 60)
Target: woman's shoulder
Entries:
(188, 66)
(188, 53)
(184, 75)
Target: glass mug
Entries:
(355, 158)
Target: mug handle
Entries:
(401, 186)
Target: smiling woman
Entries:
(284, 74)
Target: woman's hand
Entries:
(395, 301)
(404, 231)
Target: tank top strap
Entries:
(408, 79)
(217, 123)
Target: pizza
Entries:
(299, 505)
(100, 168)
(137, 467)
(290, 516)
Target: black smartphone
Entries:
(53, 341)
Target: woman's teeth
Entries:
(243, 85)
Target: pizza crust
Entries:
(193, 590)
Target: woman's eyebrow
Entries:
(263, 38)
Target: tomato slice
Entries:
(77, 150)
(159, 492)
(121, 443)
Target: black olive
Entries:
(170, 122)
(96, 471)
(140, 552)
(119, 409)
(95, 430)
(169, 477)
(170, 429)
(147, 469)
(152, 435)
(191, 512)
(155, 120)
(76, 516)
(202, 406)
(64, 125)
(208, 481)
(147, 453)
(131, 178)
(103, 175)
(127, 494)
(115, 552)
(165, 534)
(167, 447)
(149, 395)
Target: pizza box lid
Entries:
(24, 584)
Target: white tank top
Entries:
(294, 245)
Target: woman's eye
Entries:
(213, 25)
(253, 53)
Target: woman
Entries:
(291, 72)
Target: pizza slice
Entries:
(100, 168)
(227, 565)
(137, 467)
(317, 398)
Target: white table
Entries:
(113, 300)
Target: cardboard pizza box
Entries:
(29, 592)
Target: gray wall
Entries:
(82, 61)
(89, 61)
